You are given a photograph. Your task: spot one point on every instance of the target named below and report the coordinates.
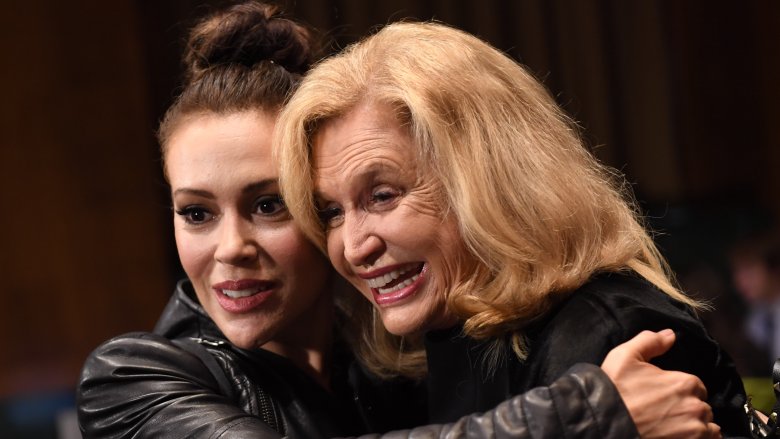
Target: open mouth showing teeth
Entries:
(237, 294)
(396, 279)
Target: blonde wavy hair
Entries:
(535, 209)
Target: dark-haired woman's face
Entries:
(254, 272)
(386, 230)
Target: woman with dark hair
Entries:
(246, 347)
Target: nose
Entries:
(362, 244)
(237, 244)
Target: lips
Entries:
(392, 284)
(244, 295)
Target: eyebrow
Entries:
(190, 191)
(260, 185)
(252, 187)
(369, 173)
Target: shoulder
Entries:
(614, 307)
(143, 385)
(140, 357)
(151, 347)
(621, 305)
(606, 311)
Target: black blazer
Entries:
(584, 327)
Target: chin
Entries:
(243, 339)
(242, 342)
(401, 326)
(416, 318)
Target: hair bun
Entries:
(247, 34)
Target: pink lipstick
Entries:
(398, 295)
(243, 295)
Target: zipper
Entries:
(269, 412)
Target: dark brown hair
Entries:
(247, 56)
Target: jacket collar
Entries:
(183, 316)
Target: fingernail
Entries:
(666, 332)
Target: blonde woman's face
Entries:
(253, 271)
(386, 231)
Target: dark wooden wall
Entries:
(83, 225)
(681, 96)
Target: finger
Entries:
(693, 385)
(708, 417)
(713, 430)
(647, 344)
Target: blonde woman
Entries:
(448, 187)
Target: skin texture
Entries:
(230, 224)
(663, 404)
(381, 213)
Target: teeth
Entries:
(239, 293)
(380, 281)
(400, 285)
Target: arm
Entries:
(142, 385)
(584, 403)
(583, 399)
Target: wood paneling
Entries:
(682, 96)
(82, 229)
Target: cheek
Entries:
(290, 248)
(194, 254)
(335, 247)
(451, 255)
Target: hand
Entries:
(663, 404)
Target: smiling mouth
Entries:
(243, 288)
(235, 294)
(396, 279)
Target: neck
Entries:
(314, 361)
(310, 341)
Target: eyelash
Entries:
(382, 196)
(331, 217)
(189, 213)
(264, 200)
(328, 216)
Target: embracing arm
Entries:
(584, 403)
(583, 400)
(142, 385)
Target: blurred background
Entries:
(682, 97)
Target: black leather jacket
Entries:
(162, 385)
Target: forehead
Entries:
(210, 145)
(369, 132)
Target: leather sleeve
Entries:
(142, 385)
(583, 403)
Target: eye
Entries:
(330, 216)
(195, 214)
(269, 205)
(384, 195)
